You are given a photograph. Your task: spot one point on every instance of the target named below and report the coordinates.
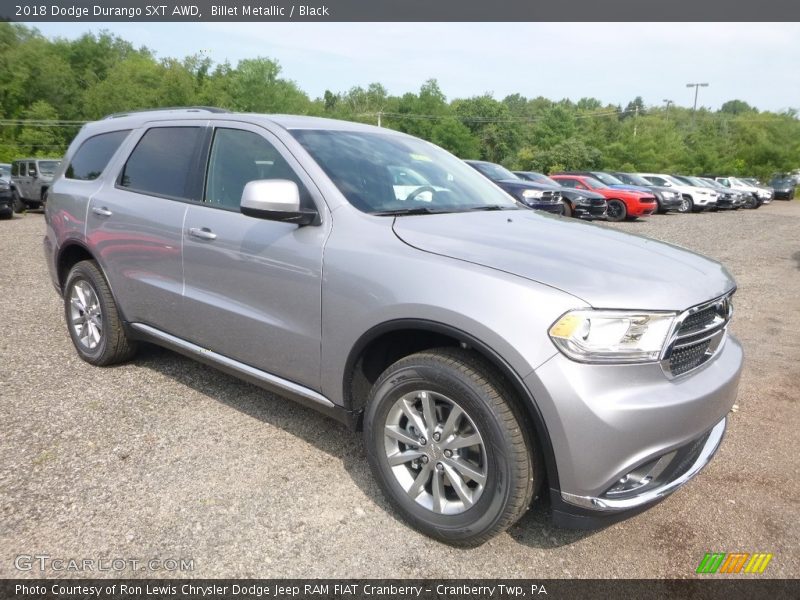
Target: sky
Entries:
(614, 62)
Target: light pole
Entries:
(696, 87)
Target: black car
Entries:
(582, 204)
(533, 195)
(783, 186)
(6, 199)
(667, 199)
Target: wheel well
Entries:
(385, 349)
(386, 346)
(68, 258)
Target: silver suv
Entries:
(31, 179)
(484, 365)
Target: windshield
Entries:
(696, 181)
(5, 171)
(493, 171)
(607, 179)
(594, 183)
(539, 178)
(48, 167)
(381, 173)
(632, 179)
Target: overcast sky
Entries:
(614, 62)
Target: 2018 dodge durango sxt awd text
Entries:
(482, 362)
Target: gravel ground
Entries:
(164, 458)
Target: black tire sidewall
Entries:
(622, 215)
(83, 272)
(490, 507)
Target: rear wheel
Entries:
(617, 211)
(448, 446)
(93, 320)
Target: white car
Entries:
(695, 198)
(751, 191)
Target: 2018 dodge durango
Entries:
(489, 353)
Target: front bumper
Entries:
(6, 200)
(607, 422)
(556, 208)
(642, 208)
(784, 194)
(673, 203)
(595, 210)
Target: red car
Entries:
(622, 204)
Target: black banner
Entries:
(395, 589)
(400, 10)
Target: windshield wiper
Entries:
(419, 210)
(492, 207)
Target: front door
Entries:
(253, 286)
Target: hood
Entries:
(572, 193)
(630, 188)
(603, 267)
(524, 184)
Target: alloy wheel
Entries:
(435, 452)
(86, 318)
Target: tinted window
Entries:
(94, 154)
(239, 156)
(31, 168)
(162, 160)
(15, 168)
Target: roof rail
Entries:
(209, 109)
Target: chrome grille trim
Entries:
(706, 324)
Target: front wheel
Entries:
(617, 211)
(448, 446)
(687, 204)
(19, 205)
(93, 320)
(568, 211)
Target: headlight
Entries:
(611, 336)
(4, 185)
(532, 193)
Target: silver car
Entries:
(31, 179)
(484, 365)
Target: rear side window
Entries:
(162, 162)
(15, 168)
(92, 157)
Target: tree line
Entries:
(48, 87)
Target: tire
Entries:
(506, 469)
(568, 210)
(6, 214)
(99, 339)
(687, 205)
(617, 211)
(19, 205)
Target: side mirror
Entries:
(275, 200)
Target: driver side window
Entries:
(238, 157)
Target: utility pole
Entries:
(379, 118)
(696, 87)
(635, 120)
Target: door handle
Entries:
(202, 233)
(102, 212)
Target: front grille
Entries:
(687, 358)
(698, 320)
(700, 333)
(551, 197)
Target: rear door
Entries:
(253, 286)
(135, 221)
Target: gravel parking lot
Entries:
(164, 458)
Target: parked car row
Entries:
(616, 196)
(28, 181)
